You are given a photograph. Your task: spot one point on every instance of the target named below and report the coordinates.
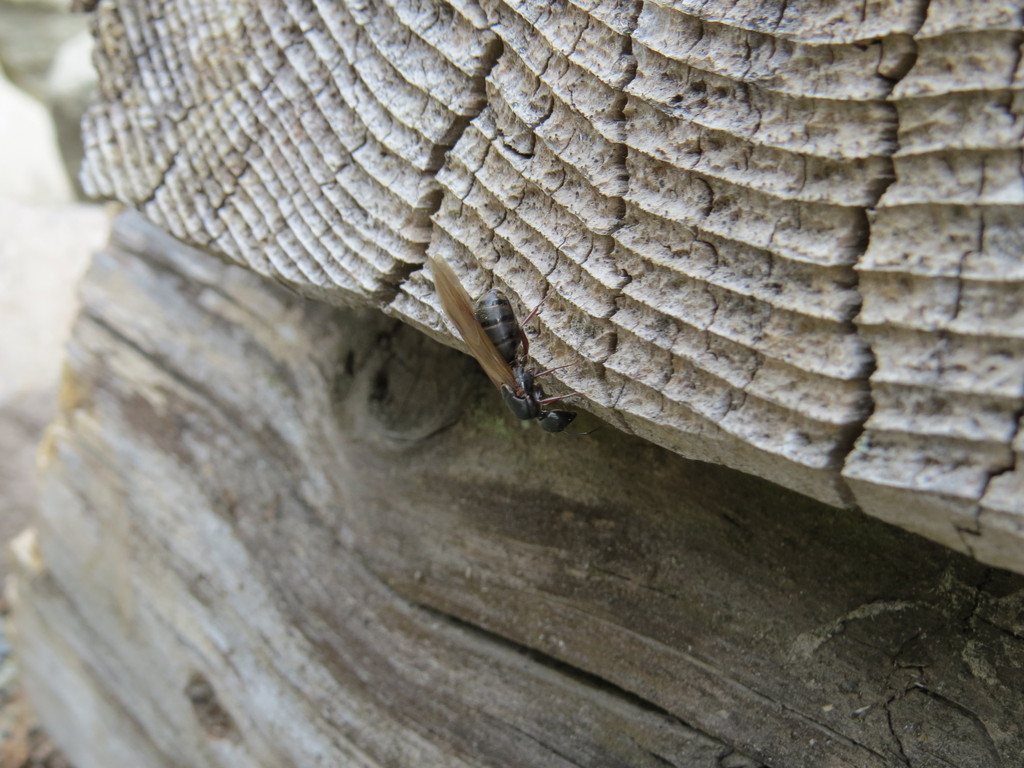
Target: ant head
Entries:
(556, 421)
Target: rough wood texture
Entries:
(783, 237)
(942, 282)
(276, 533)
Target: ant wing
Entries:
(459, 307)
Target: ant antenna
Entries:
(584, 434)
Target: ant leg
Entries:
(525, 342)
(522, 333)
(552, 370)
(536, 309)
(556, 398)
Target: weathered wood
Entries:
(277, 533)
(783, 237)
(941, 282)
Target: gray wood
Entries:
(781, 237)
(279, 533)
(941, 285)
(282, 526)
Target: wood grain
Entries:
(780, 237)
(941, 284)
(278, 533)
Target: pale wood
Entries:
(276, 533)
(283, 527)
(783, 237)
(941, 280)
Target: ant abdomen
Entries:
(494, 313)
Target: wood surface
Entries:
(280, 533)
(782, 237)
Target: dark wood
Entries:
(280, 533)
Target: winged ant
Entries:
(496, 339)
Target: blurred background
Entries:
(47, 233)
